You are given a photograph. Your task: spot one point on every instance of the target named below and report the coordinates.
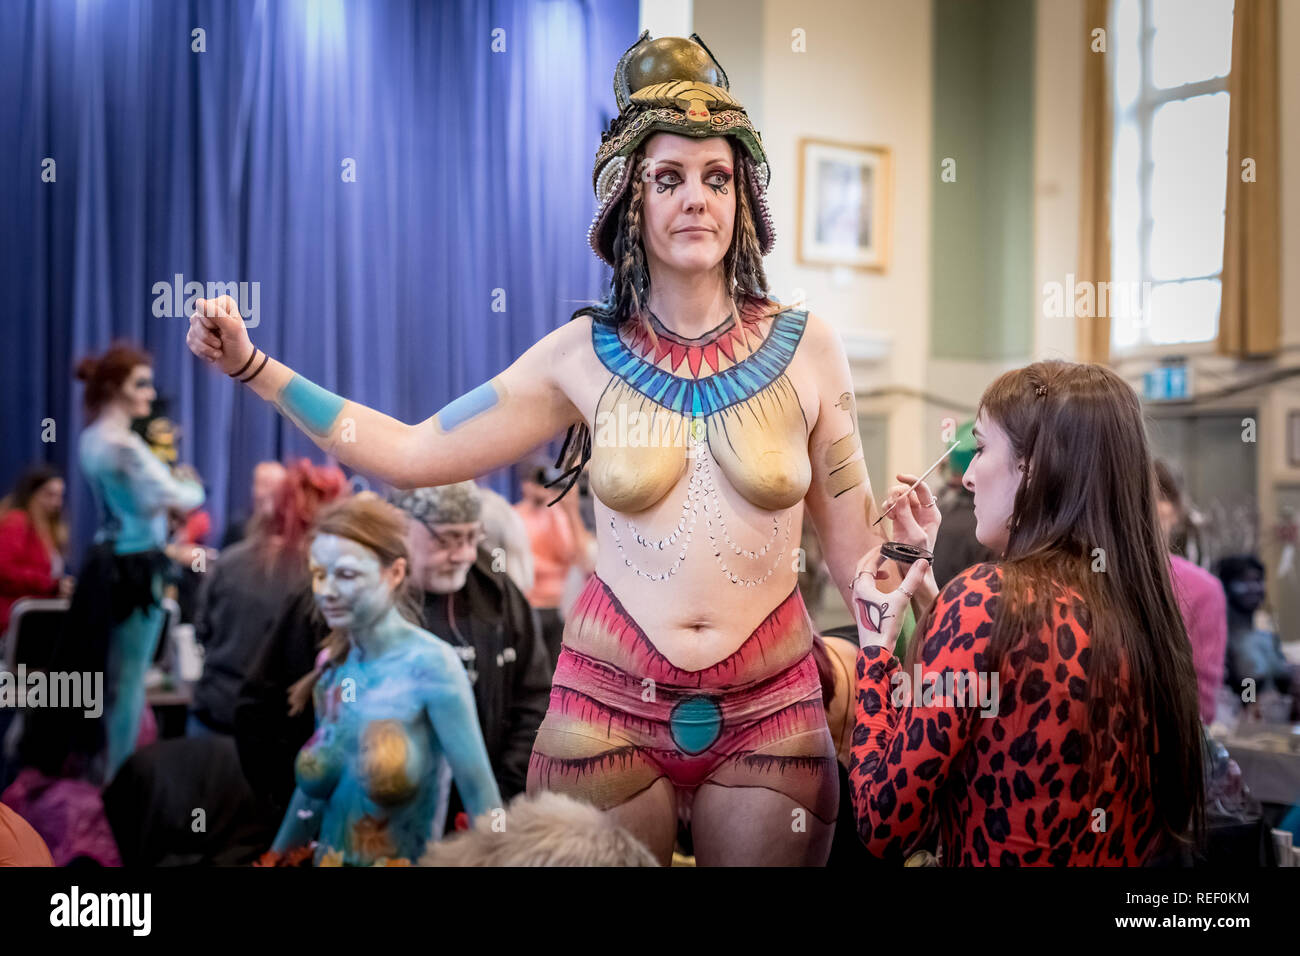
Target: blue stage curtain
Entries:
(461, 242)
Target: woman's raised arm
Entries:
(493, 425)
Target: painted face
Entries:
(993, 477)
(352, 589)
(441, 557)
(138, 392)
(690, 202)
(48, 498)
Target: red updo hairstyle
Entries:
(306, 489)
(104, 375)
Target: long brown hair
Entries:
(630, 286)
(376, 525)
(1087, 502)
(105, 374)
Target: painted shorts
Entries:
(622, 716)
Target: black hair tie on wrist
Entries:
(252, 356)
(265, 358)
(905, 553)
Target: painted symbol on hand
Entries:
(872, 614)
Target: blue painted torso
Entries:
(375, 769)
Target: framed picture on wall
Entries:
(845, 194)
(1293, 439)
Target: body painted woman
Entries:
(686, 688)
(395, 712)
(124, 572)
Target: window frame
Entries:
(1141, 113)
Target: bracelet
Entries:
(252, 356)
(266, 358)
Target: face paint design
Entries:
(138, 391)
(348, 583)
(688, 218)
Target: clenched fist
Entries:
(217, 334)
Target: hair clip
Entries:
(1041, 390)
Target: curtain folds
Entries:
(1250, 324)
(406, 185)
(1093, 331)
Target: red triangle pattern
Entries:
(745, 333)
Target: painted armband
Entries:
(312, 408)
(470, 405)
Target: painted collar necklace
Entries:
(697, 352)
(710, 394)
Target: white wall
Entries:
(865, 78)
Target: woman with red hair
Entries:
(122, 578)
(244, 592)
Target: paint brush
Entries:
(903, 496)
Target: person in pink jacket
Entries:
(1200, 598)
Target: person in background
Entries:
(268, 476)
(559, 541)
(477, 610)
(1200, 598)
(33, 541)
(1093, 717)
(486, 618)
(503, 529)
(1254, 653)
(244, 591)
(116, 617)
(957, 548)
(393, 707)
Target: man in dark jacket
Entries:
(467, 602)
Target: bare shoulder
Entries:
(432, 659)
(554, 353)
(820, 336)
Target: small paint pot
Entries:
(905, 553)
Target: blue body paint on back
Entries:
(312, 405)
(467, 406)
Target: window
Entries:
(1169, 179)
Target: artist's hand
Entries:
(916, 520)
(218, 336)
(879, 613)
